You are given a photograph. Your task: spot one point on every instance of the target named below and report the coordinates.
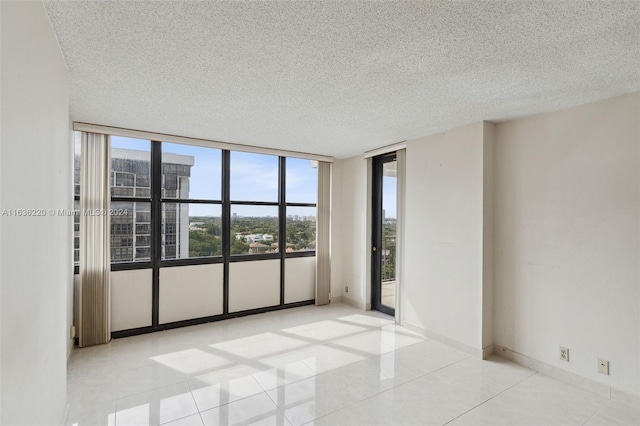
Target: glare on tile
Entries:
(387, 366)
(365, 320)
(325, 330)
(290, 372)
(192, 361)
(325, 358)
(133, 416)
(257, 409)
(261, 348)
(158, 406)
(225, 386)
(227, 344)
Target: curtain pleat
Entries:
(323, 232)
(95, 262)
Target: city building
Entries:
(131, 232)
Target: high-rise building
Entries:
(131, 220)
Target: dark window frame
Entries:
(156, 262)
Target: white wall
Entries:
(299, 279)
(131, 299)
(254, 284)
(488, 232)
(36, 263)
(336, 230)
(443, 287)
(188, 292)
(350, 239)
(567, 238)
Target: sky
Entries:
(254, 177)
(389, 191)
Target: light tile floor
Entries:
(330, 365)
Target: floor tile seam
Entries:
(244, 359)
(218, 407)
(195, 403)
(179, 418)
(367, 355)
(333, 343)
(291, 382)
(191, 390)
(283, 410)
(242, 362)
(583, 389)
(329, 341)
(422, 340)
(371, 327)
(385, 390)
(492, 397)
(232, 402)
(150, 390)
(417, 378)
(91, 408)
(326, 373)
(606, 402)
(596, 412)
(438, 369)
(257, 366)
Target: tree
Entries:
(239, 247)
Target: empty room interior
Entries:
(321, 213)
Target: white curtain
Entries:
(401, 161)
(95, 262)
(323, 234)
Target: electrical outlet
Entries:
(72, 332)
(564, 354)
(346, 289)
(603, 366)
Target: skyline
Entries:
(254, 177)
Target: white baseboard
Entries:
(625, 396)
(476, 352)
(569, 377)
(350, 302)
(65, 420)
(487, 351)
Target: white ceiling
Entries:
(339, 78)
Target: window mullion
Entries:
(156, 227)
(226, 226)
(282, 221)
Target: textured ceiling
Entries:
(339, 78)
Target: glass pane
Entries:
(130, 232)
(388, 250)
(254, 177)
(254, 229)
(191, 230)
(301, 229)
(130, 167)
(77, 138)
(302, 181)
(191, 172)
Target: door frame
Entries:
(376, 231)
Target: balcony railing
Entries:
(388, 267)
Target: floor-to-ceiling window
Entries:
(201, 233)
